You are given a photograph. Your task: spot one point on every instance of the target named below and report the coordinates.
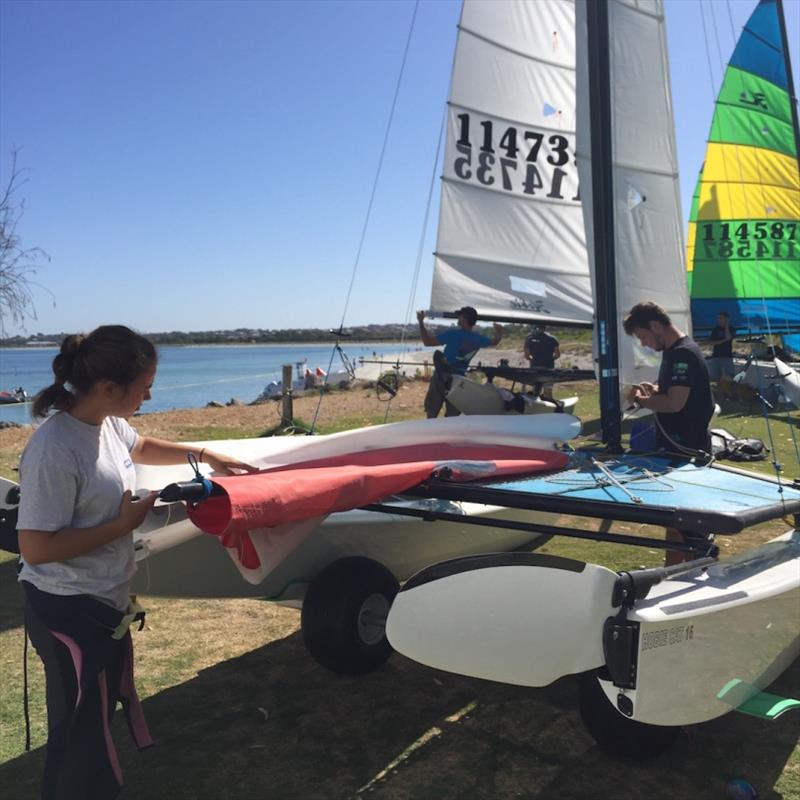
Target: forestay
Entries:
(647, 210)
(511, 237)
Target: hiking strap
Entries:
(133, 613)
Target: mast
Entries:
(603, 220)
(789, 79)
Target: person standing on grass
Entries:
(681, 401)
(720, 362)
(460, 345)
(541, 349)
(76, 517)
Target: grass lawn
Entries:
(241, 711)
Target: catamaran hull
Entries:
(706, 641)
(715, 638)
(183, 562)
(177, 560)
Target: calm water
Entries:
(188, 377)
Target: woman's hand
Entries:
(226, 464)
(132, 512)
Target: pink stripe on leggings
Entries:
(110, 749)
(77, 659)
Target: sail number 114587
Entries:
(749, 239)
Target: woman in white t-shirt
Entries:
(76, 517)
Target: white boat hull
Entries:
(531, 623)
(761, 375)
(737, 622)
(470, 397)
(183, 562)
(176, 559)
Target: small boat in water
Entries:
(18, 395)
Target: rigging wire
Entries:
(380, 163)
(369, 208)
(418, 265)
(708, 53)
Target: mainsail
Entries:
(743, 242)
(648, 236)
(511, 238)
(514, 223)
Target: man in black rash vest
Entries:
(720, 362)
(542, 349)
(681, 400)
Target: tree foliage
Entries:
(18, 264)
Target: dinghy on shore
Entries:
(350, 559)
(18, 395)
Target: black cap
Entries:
(469, 314)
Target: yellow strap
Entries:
(133, 611)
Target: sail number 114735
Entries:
(506, 157)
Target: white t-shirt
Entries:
(72, 475)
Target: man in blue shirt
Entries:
(460, 345)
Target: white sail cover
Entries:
(511, 238)
(647, 209)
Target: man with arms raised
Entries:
(681, 400)
(460, 345)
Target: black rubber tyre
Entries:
(344, 615)
(615, 733)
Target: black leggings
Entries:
(84, 672)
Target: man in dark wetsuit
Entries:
(681, 400)
(720, 362)
(542, 349)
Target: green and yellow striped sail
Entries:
(743, 239)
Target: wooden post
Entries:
(287, 410)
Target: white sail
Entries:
(511, 238)
(649, 241)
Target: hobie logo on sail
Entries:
(758, 99)
(537, 306)
(532, 287)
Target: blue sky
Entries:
(199, 165)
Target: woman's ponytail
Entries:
(110, 352)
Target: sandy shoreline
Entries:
(354, 407)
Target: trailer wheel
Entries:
(344, 615)
(615, 733)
